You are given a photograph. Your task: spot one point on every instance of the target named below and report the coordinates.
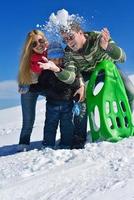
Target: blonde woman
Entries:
(34, 48)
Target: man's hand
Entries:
(105, 36)
(48, 65)
(81, 92)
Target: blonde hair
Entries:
(24, 75)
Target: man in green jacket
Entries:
(83, 52)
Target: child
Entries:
(59, 98)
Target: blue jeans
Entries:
(58, 111)
(80, 122)
(28, 104)
(129, 88)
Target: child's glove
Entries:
(76, 108)
(23, 89)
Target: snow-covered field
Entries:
(100, 171)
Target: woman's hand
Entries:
(81, 92)
(105, 36)
(23, 88)
(47, 64)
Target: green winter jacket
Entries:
(85, 60)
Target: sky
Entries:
(100, 171)
(17, 18)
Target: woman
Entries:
(34, 48)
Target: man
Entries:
(83, 52)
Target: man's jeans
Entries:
(129, 89)
(28, 103)
(58, 111)
(80, 122)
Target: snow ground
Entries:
(99, 171)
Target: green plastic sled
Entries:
(108, 108)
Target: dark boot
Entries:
(78, 142)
